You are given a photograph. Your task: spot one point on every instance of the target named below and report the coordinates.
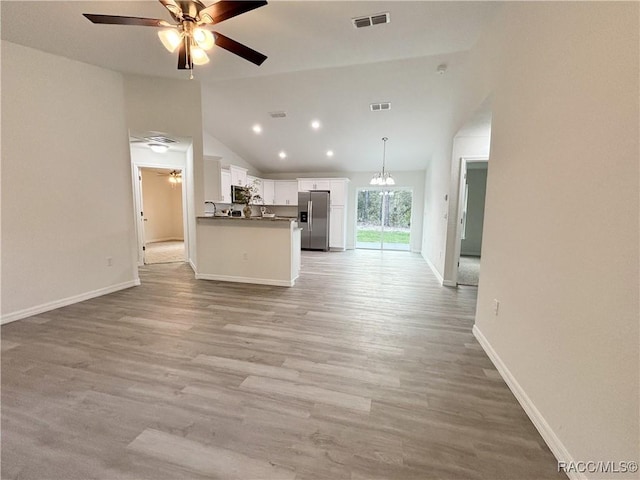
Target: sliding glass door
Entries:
(384, 219)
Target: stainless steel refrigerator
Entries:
(313, 217)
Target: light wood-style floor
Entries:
(366, 369)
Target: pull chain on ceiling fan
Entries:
(189, 34)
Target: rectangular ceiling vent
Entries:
(377, 19)
(161, 139)
(278, 114)
(378, 107)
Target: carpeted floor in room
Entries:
(164, 252)
(469, 271)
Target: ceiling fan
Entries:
(175, 176)
(189, 34)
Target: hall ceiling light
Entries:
(156, 147)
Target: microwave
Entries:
(239, 194)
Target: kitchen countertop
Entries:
(283, 222)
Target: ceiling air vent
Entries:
(377, 107)
(278, 114)
(377, 19)
(160, 139)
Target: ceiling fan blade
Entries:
(174, 9)
(225, 9)
(118, 20)
(239, 49)
(185, 62)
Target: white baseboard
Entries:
(46, 307)
(434, 270)
(256, 281)
(549, 436)
(193, 266)
(449, 283)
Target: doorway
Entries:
(162, 215)
(473, 190)
(384, 219)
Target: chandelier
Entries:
(382, 177)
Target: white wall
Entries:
(66, 183)
(173, 107)
(436, 208)
(214, 148)
(162, 207)
(561, 240)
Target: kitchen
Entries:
(264, 248)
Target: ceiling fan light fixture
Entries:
(156, 147)
(204, 38)
(199, 56)
(170, 39)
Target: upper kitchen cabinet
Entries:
(286, 192)
(268, 192)
(225, 186)
(308, 184)
(339, 189)
(238, 176)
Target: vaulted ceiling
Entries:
(319, 67)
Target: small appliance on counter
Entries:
(236, 213)
(266, 213)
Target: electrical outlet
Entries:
(109, 261)
(496, 306)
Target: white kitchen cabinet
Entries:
(238, 175)
(337, 229)
(338, 188)
(286, 192)
(268, 192)
(225, 186)
(308, 184)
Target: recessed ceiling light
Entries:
(282, 154)
(315, 124)
(257, 128)
(329, 153)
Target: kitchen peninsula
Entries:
(258, 250)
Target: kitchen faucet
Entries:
(214, 206)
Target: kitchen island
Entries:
(258, 250)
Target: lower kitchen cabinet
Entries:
(338, 229)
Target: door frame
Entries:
(138, 203)
(464, 161)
